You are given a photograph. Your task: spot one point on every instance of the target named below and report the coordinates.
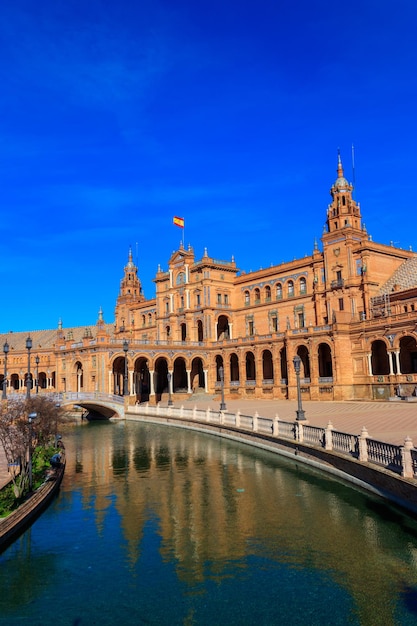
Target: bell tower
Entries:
(343, 212)
(130, 285)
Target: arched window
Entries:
(247, 298)
(279, 291)
(267, 366)
(234, 368)
(303, 285)
(290, 288)
(257, 295)
(267, 293)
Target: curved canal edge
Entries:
(12, 526)
(381, 482)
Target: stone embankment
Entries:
(388, 470)
(19, 520)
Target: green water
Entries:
(157, 525)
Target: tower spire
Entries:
(339, 165)
(343, 212)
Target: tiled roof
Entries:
(45, 339)
(405, 277)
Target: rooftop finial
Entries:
(339, 165)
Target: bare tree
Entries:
(20, 435)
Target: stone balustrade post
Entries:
(237, 419)
(275, 426)
(363, 445)
(221, 417)
(299, 431)
(407, 461)
(329, 437)
(208, 414)
(194, 412)
(182, 410)
(255, 422)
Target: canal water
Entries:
(156, 525)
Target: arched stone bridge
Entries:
(104, 404)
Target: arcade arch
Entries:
(223, 329)
(379, 358)
(408, 355)
(141, 379)
(324, 355)
(267, 365)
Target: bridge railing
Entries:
(74, 396)
(401, 460)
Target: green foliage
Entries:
(41, 464)
(12, 495)
(8, 501)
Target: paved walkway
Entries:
(386, 421)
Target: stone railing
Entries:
(402, 460)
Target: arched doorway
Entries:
(42, 382)
(219, 364)
(302, 352)
(197, 375)
(118, 375)
(223, 330)
(160, 378)
(14, 382)
(408, 355)
(250, 366)
(325, 361)
(379, 358)
(284, 366)
(141, 380)
(79, 377)
(267, 366)
(179, 379)
(234, 368)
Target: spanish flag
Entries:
(179, 221)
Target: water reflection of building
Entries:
(216, 504)
(347, 310)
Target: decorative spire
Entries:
(100, 315)
(339, 165)
(60, 324)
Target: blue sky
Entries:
(116, 116)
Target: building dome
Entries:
(341, 184)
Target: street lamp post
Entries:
(29, 382)
(31, 417)
(300, 411)
(221, 374)
(125, 383)
(169, 376)
(6, 352)
(37, 373)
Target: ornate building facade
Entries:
(349, 311)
